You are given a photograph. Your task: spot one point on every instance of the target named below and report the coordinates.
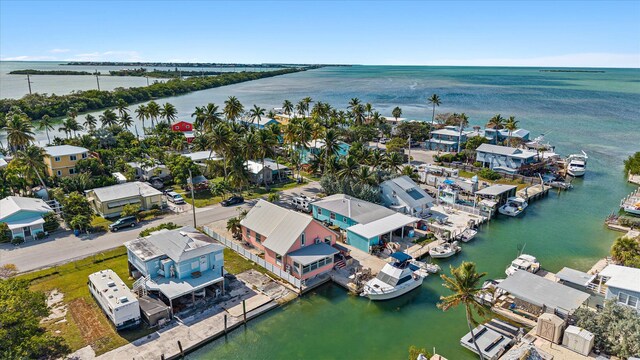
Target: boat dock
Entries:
(534, 192)
(634, 178)
(417, 251)
(631, 199)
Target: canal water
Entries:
(594, 112)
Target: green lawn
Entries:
(204, 198)
(85, 322)
(235, 264)
(467, 174)
(99, 221)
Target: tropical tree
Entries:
(233, 226)
(121, 107)
(142, 114)
(153, 112)
(626, 251)
(218, 188)
(273, 197)
(19, 131)
(366, 176)
(211, 116)
(301, 108)
(256, 113)
(307, 101)
(108, 118)
(46, 124)
(331, 145)
(393, 161)
(233, 108)
(90, 122)
(496, 122)
(31, 159)
(396, 113)
(221, 138)
(266, 142)
(463, 120)
(466, 285)
(169, 112)
(287, 107)
(511, 125)
(126, 120)
(249, 145)
(434, 100)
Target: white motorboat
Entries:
(577, 164)
(633, 209)
(466, 235)
(513, 207)
(428, 267)
(523, 262)
(395, 279)
(445, 250)
(490, 292)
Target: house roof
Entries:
(280, 226)
(382, 226)
(202, 155)
(447, 132)
(121, 191)
(622, 277)
(255, 166)
(495, 190)
(497, 149)
(521, 133)
(408, 191)
(179, 244)
(13, 204)
(539, 291)
(574, 276)
(262, 122)
(312, 253)
(359, 210)
(62, 150)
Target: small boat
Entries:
(633, 209)
(577, 164)
(445, 250)
(490, 292)
(466, 235)
(428, 267)
(524, 262)
(514, 206)
(394, 279)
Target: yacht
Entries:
(513, 207)
(523, 262)
(395, 279)
(445, 250)
(577, 164)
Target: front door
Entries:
(27, 231)
(203, 263)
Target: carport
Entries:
(363, 236)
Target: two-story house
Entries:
(620, 284)
(504, 158)
(291, 241)
(61, 160)
(315, 147)
(446, 139)
(498, 136)
(177, 265)
(23, 216)
(405, 196)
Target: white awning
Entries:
(31, 221)
(382, 226)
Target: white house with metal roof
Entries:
(114, 297)
(109, 201)
(405, 196)
(292, 241)
(147, 171)
(176, 265)
(620, 284)
(272, 171)
(23, 216)
(504, 158)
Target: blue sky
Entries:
(519, 33)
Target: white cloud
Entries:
(59, 51)
(567, 60)
(27, 58)
(111, 55)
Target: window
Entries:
(72, 171)
(84, 155)
(328, 240)
(302, 239)
(344, 219)
(332, 216)
(248, 232)
(59, 172)
(278, 259)
(195, 265)
(57, 158)
(633, 301)
(623, 298)
(73, 157)
(258, 238)
(319, 211)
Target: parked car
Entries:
(384, 140)
(123, 222)
(175, 198)
(234, 200)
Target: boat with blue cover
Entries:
(395, 279)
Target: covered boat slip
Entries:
(172, 288)
(493, 338)
(363, 236)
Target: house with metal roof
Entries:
(504, 158)
(620, 284)
(366, 224)
(109, 201)
(23, 216)
(262, 122)
(446, 139)
(176, 265)
(146, 171)
(497, 193)
(272, 171)
(291, 241)
(496, 136)
(200, 157)
(405, 196)
(61, 160)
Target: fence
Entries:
(473, 169)
(253, 257)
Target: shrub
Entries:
(477, 164)
(130, 210)
(629, 221)
(168, 226)
(148, 213)
(17, 240)
(489, 174)
(5, 234)
(40, 235)
(50, 222)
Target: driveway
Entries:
(63, 246)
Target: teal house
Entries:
(366, 224)
(316, 146)
(177, 265)
(23, 216)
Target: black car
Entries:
(234, 200)
(127, 221)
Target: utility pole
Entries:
(409, 158)
(147, 80)
(29, 82)
(98, 79)
(193, 200)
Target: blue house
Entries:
(446, 139)
(316, 146)
(497, 136)
(262, 123)
(620, 284)
(177, 265)
(506, 159)
(366, 224)
(23, 216)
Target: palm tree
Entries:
(393, 161)
(396, 112)
(233, 226)
(366, 176)
(301, 108)
(511, 125)
(435, 101)
(142, 114)
(463, 120)
(625, 249)
(368, 108)
(65, 128)
(466, 285)
(496, 122)
(307, 101)
(74, 125)
(331, 145)
(249, 145)
(211, 116)
(32, 159)
(287, 107)
(168, 112)
(353, 103)
(233, 108)
(199, 115)
(90, 122)
(266, 142)
(376, 159)
(46, 123)
(121, 106)
(218, 188)
(256, 114)
(126, 120)
(108, 118)
(358, 113)
(220, 139)
(348, 168)
(153, 111)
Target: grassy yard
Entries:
(99, 221)
(236, 264)
(467, 174)
(85, 323)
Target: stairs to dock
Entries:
(341, 264)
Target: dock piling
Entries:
(244, 311)
(225, 324)
(181, 351)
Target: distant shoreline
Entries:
(49, 72)
(573, 71)
(174, 64)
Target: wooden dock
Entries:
(634, 179)
(417, 251)
(534, 192)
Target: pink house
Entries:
(294, 242)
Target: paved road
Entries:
(64, 246)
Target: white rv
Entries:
(115, 299)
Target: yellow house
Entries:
(109, 201)
(61, 160)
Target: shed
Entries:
(578, 339)
(153, 310)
